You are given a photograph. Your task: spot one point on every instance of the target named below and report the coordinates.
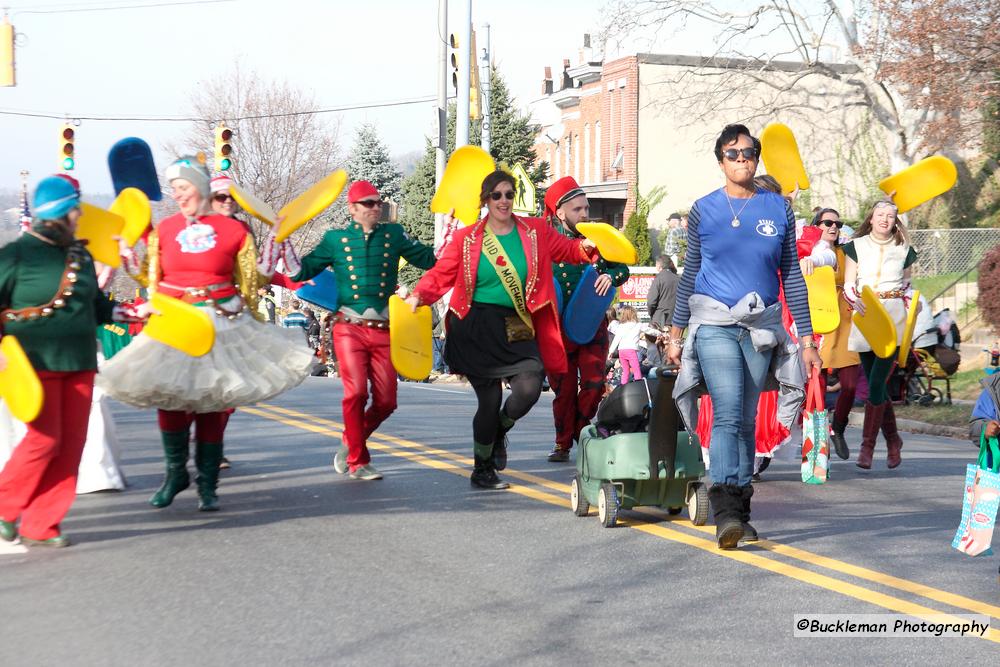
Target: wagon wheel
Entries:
(607, 505)
(577, 502)
(697, 503)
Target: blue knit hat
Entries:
(54, 198)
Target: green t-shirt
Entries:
(489, 289)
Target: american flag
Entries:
(25, 211)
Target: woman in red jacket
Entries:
(503, 322)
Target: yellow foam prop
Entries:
(309, 204)
(461, 183)
(780, 153)
(876, 325)
(911, 325)
(610, 242)
(251, 204)
(99, 227)
(132, 205)
(20, 387)
(411, 347)
(180, 325)
(824, 310)
(920, 182)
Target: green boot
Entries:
(175, 451)
(207, 457)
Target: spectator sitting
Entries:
(986, 413)
(651, 356)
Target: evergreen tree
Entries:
(637, 228)
(369, 160)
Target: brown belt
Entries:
(361, 322)
(891, 294)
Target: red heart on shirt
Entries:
(501, 261)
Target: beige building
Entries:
(654, 119)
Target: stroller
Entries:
(934, 358)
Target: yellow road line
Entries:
(301, 420)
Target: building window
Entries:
(566, 154)
(586, 153)
(598, 174)
(576, 157)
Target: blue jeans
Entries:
(734, 374)
(439, 364)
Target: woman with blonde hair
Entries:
(879, 256)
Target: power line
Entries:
(191, 119)
(54, 9)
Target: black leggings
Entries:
(525, 388)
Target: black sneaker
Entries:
(485, 477)
(559, 455)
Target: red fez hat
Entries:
(361, 190)
(559, 193)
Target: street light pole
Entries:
(484, 77)
(440, 152)
(464, 72)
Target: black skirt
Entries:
(477, 345)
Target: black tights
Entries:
(525, 388)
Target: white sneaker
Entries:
(366, 472)
(340, 460)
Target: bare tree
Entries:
(280, 148)
(779, 47)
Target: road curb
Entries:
(914, 426)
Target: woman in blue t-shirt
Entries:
(739, 238)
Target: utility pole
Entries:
(484, 77)
(464, 75)
(440, 153)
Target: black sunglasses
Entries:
(370, 203)
(831, 223)
(732, 153)
(222, 198)
(497, 196)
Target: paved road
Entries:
(306, 567)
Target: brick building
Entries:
(644, 117)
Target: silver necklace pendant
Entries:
(736, 222)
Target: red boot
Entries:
(893, 442)
(869, 433)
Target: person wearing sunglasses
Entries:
(503, 321)
(879, 256)
(364, 257)
(833, 346)
(739, 238)
(209, 261)
(579, 390)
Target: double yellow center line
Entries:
(654, 523)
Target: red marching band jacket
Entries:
(459, 264)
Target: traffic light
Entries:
(7, 54)
(475, 112)
(453, 42)
(223, 149)
(67, 150)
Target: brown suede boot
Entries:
(893, 442)
(869, 433)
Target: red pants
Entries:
(848, 378)
(363, 354)
(38, 484)
(576, 401)
(208, 426)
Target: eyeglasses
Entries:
(222, 198)
(507, 194)
(370, 203)
(831, 223)
(732, 153)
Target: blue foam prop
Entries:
(131, 163)
(559, 296)
(323, 293)
(586, 309)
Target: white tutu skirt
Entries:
(249, 362)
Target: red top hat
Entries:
(560, 192)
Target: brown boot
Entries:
(892, 440)
(869, 433)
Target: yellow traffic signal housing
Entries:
(7, 71)
(475, 112)
(223, 148)
(67, 147)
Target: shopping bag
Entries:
(979, 506)
(815, 434)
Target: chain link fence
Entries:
(947, 251)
